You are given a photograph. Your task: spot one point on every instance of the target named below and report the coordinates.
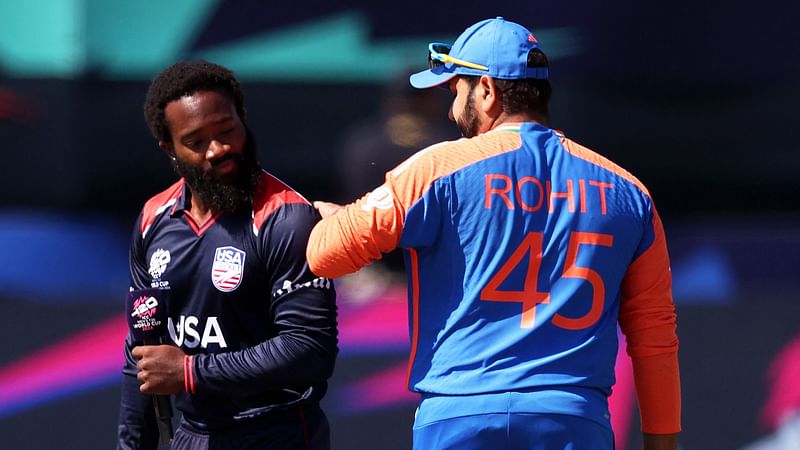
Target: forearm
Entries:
(334, 248)
(658, 390)
(302, 351)
(355, 235)
(294, 359)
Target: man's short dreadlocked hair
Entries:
(186, 78)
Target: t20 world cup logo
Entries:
(144, 312)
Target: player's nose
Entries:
(217, 150)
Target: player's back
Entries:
(516, 262)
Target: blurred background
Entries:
(697, 99)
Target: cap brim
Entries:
(431, 77)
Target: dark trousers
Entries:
(298, 428)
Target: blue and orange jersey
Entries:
(525, 250)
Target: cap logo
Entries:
(532, 38)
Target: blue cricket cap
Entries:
(497, 44)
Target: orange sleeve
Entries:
(362, 231)
(357, 234)
(647, 318)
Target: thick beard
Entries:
(467, 121)
(219, 195)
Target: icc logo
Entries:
(158, 263)
(228, 268)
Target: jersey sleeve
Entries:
(303, 309)
(136, 427)
(647, 318)
(362, 231)
(357, 234)
(405, 211)
(137, 265)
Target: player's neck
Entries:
(514, 119)
(201, 212)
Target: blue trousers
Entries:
(513, 431)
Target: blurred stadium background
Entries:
(695, 98)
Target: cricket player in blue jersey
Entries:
(524, 252)
(252, 331)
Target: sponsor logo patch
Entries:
(228, 268)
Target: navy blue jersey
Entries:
(259, 327)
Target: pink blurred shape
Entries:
(384, 389)
(622, 400)
(381, 324)
(783, 379)
(77, 360)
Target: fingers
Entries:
(160, 369)
(141, 364)
(143, 376)
(144, 362)
(137, 352)
(327, 209)
(144, 386)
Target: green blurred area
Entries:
(119, 40)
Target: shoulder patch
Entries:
(158, 204)
(272, 194)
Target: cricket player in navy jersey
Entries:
(253, 331)
(524, 251)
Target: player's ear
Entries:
(168, 148)
(488, 95)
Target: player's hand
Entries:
(160, 369)
(327, 209)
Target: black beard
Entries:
(219, 195)
(467, 122)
